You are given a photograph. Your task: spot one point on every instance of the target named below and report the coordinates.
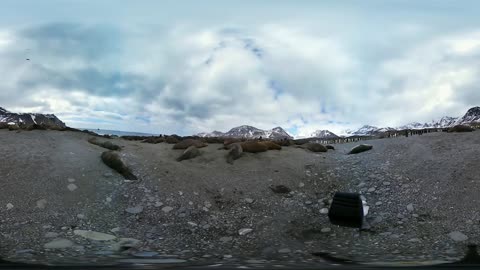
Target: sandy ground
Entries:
(54, 183)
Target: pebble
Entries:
(372, 189)
(324, 211)
(249, 200)
(244, 231)
(145, 254)
(301, 185)
(92, 235)
(116, 229)
(158, 204)
(362, 184)
(193, 224)
(9, 206)
(51, 235)
(81, 216)
(415, 240)
(458, 236)
(325, 230)
(167, 209)
(284, 250)
(410, 207)
(386, 183)
(125, 242)
(308, 202)
(58, 244)
(41, 203)
(400, 216)
(72, 187)
(108, 174)
(71, 180)
(226, 239)
(108, 199)
(378, 203)
(134, 210)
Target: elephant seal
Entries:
(189, 153)
(313, 147)
(112, 159)
(271, 145)
(189, 142)
(235, 152)
(360, 148)
(254, 147)
(330, 147)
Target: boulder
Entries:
(112, 159)
(360, 148)
(189, 142)
(235, 152)
(254, 147)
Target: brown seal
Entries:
(235, 152)
(190, 153)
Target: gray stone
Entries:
(108, 175)
(125, 243)
(324, 211)
(372, 189)
(41, 203)
(226, 239)
(152, 261)
(458, 236)
(414, 240)
(378, 203)
(115, 230)
(308, 202)
(244, 231)
(145, 254)
(72, 187)
(249, 200)
(51, 234)
(9, 206)
(81, 216)
(92, 235)
(58, 244)
(386, 183)
(167, 209)
(326, 230)
(284, 250)
(134, 210)
(410, 207)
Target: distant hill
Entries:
(249, 132)
(324, 134)
(26, 120)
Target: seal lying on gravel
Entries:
(360, 148)
(314, 147)
(235, 152)
(190, 153)
(112, 159)
(106, 144)
(271, 145)
(189, 142)
(330, 147)
(254, 147)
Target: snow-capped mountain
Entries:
(250, 132)
(472, 116)
(30, 119)
(324, 134)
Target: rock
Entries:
(284, 250)
(72, 187)
(226, 239)
(167, 209)
(81, 216)
(377, 219)
(244, 231)
(51, 235)
(280, 189)
(193, 224)
(378, 203)
(58, 244)
(158, 204)
(92, 235)
(300, 185)
(458, 236)
(308, 202)
(9, 206)
(151, 261)
(134, 210)
(24, 251)
(386, 183)
(400, 216)
(71, 180)
(108, 199)
(145, 254)
(372, 189)
(414, 240)
(248, 200)
(410, 207)
(108, 175)
(324, 211)
(326, 230)
(360, 148)
(41, 203)
(115, 230)
(125, 243)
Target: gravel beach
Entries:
(61, 203)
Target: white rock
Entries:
(92, 235)
(324, 211)
(249, 200)
(301, 185)
(72, 187)
(41, 203)
(458, 236)
(116, 229)
(58, 244)
(193, 224)
(244, 231)
(134, 210)
(325, 230)
(180, 193)
(372, 189)
(9, 206)
(108, 199)
(378, 203)
(167, 209)
(410, 208)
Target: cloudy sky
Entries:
(190, 66)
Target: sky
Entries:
(184, 67)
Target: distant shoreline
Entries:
(116, 132)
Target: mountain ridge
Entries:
(26, 120)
